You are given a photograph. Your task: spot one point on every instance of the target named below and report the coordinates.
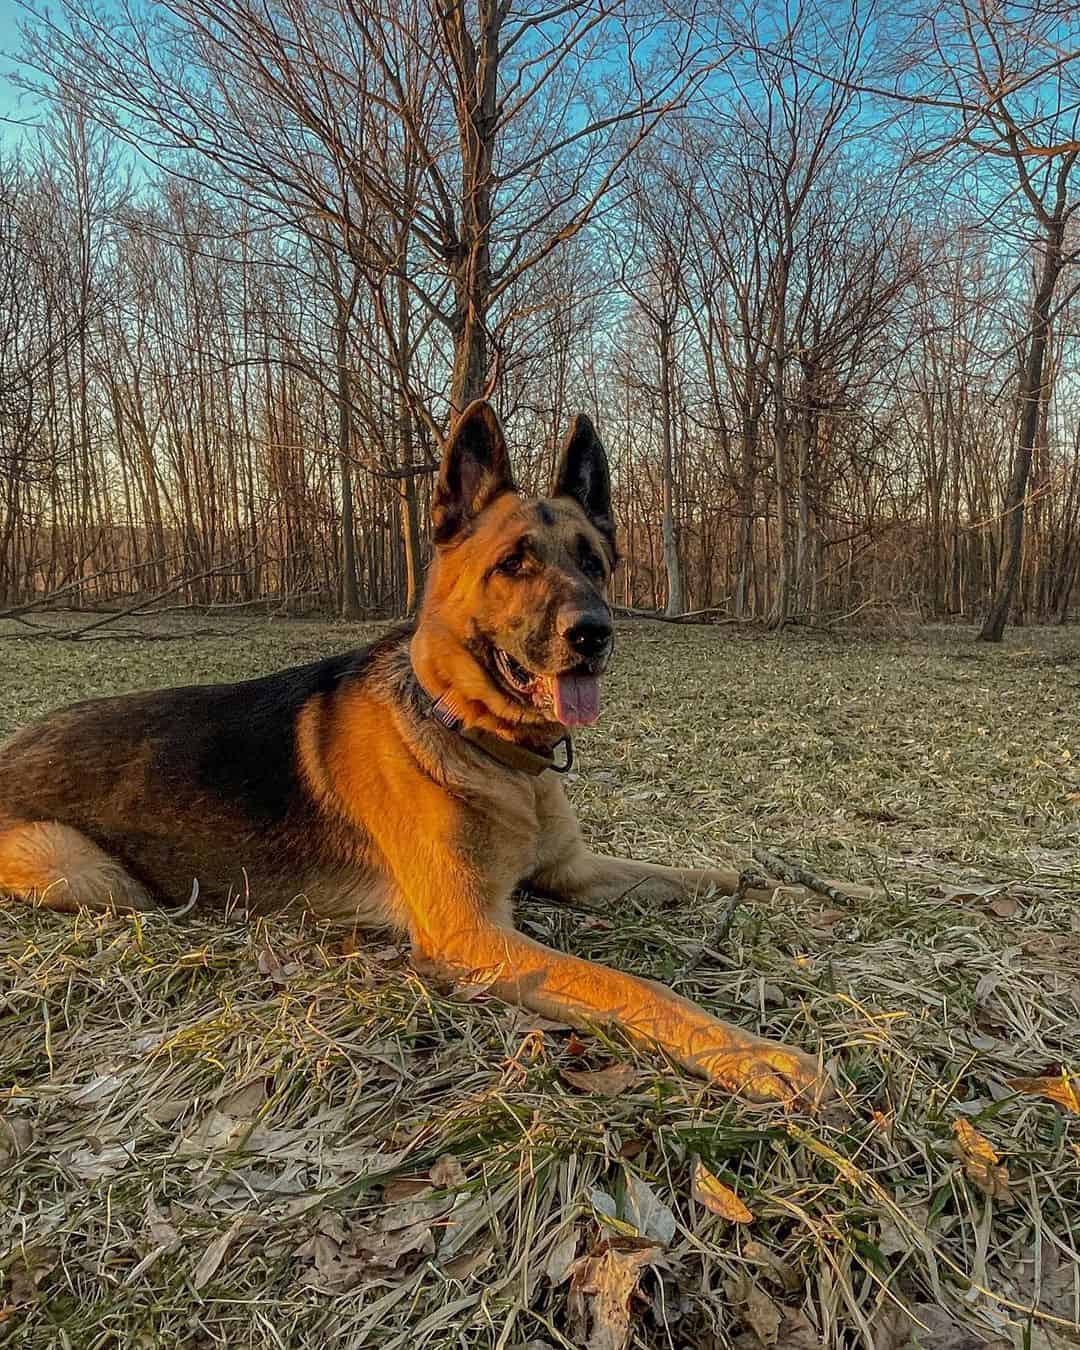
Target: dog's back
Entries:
(200, 782)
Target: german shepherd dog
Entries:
(411, 783)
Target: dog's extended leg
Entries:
(585, 994)
(454, 876)
(570, 871)
(62, 869)
(593, 879)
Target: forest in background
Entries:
(809, 267)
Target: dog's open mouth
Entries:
(573, 695)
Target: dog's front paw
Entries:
(766, 1071)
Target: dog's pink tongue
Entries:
(577, 699)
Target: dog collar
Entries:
(514, 756)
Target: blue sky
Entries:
(13, 102)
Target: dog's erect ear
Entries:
(475, 469)
(583, 474)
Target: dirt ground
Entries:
(230, 1135)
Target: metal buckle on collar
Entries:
(569, 762)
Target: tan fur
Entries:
(61, 869)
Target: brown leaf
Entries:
(827, 918)
(341, 1256)
(972, 890)
(1004, 906)
(161, 1238)
(710, 1191)
(941, 1330)
(470, 1263)
(1059, 1088)
(270, 966)
(772, 1268)
(755, 1307)
(215, 1253)
(26, 1273)
(601, 1290)
(797, 1332)
(609, 1082)
(244, 1101)
(447, 1173)
(405, 1188)
(16, 1134)
(981, 1163)
(91, 1164)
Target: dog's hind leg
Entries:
(59, 868)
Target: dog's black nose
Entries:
(589, 635)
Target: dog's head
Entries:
(514, 630)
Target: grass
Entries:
(230, 1135)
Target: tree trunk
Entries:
(350, 596)
(477, 62)
(670, 536)
(1031, 396)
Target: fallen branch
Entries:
(43, 601)
(691, 616)
(794, 874)
(141, 605)
(748, 880)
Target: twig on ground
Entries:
(797, 875)
(748, 880)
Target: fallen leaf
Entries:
(1004, 906)
(603, 1203)
(99, 1089)
(797, 1332)
(447, 1173)
(647, 1212)
(405, 1188)
(1059, 1088)
(601, 1289)
(461, 1225)
(772, 1267)
(827, 918)
(561, 1257)
(941, 1330)
(215, 1253)
(161, 1238)
(25, 1274)
(16, 1134)
(247, 1100)
(270, 966)
(609, 1082)
(91, 1164)
(755, 1307)
(471, 1263)
(981, 1163)
(710, 1191)
(967, 891)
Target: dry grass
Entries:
(235, 1136)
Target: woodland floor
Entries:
(230, 1135)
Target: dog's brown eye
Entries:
(511, 566)
(592, 566)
